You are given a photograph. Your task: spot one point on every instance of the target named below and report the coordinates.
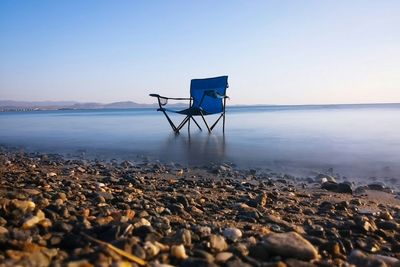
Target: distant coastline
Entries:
(21, 106)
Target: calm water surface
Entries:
(361, 140)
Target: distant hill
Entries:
(10, 105)
(22, 104)
(115, 105)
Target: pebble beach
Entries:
(56, 211)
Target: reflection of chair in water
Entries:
(199, 150)
(207, 97)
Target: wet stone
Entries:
(183, 200)
(322, 178)
(197, 262)
(218, 243)
(178, 251)
(290, 244)
(198, 253)
(232, 234)
(388, 225)
(337, 187)
(359, 259)
(183, 236)
(223, 256)
(170, 217)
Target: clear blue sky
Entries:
(275, 52)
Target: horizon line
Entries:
(242, 104)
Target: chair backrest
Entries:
(209, 104)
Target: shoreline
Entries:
(56, 211)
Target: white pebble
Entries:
(232, 234)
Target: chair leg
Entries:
(223, 120)
(205, 122)
(215, 123)
(223, 123)
(170, 122)
(196, 123)
(185, 120)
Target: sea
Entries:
(352, 140)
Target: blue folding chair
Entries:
(207, 97)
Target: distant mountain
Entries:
(22, 104)
(9, 105)
(115, 105)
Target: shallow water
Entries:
(358, 140)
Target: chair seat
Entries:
(192, 111)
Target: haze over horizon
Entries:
(286, 52)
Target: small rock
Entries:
(183, 236)
(232, 234)
(24, 206)
(218, 243)
(360, 259)
(178, 251)
(298, 263)
(80, 169)
(142, 222)
(79, 263)
(390, 261)
(151, 249)
(330, 186)
(223, 257)
(51, 174)
(197, 262)
(344, 188)
(32, 221)
(261, 199)
(388, 225)
(204, 231)
(62, 196)
(339, 188)
(198, 253)
(3, 230)
(323, 178)
(292, 245)
(377, 186)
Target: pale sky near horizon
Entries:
(275, 52)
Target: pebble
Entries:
(322, 178)
(184, 237)
(388, 225)
(232, 234)
(51, 174)
(79, 263)
(32, 221)
(151, 249)
(178, 251)
(142, 222)
(290, 244)
(23, 205)
(223, 256)
(337, 187)
(218, 243)
(233, 218)
(359, 259)
(3, 230)
(261, 199)
(197, 262)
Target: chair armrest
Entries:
(172, 98)
(215, 94)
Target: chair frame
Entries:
(206, 93)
